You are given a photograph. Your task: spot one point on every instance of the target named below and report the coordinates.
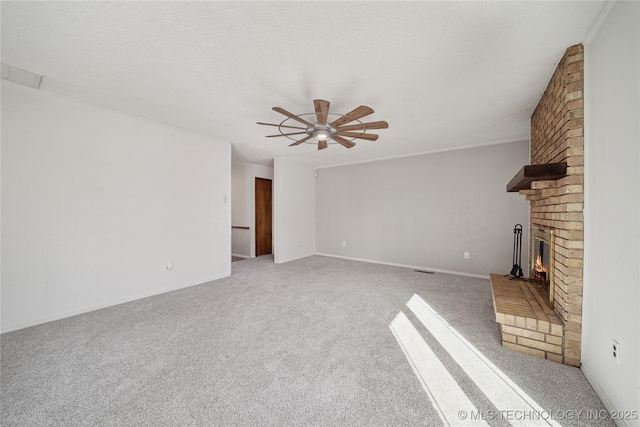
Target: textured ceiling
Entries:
(444, 75)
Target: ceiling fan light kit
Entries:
(321, 132)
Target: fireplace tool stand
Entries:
(516, 270)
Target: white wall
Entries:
(294, 210)
(425, 211)
(243, 207)
(95, 203)
(612, 209)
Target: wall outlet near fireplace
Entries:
(616, 351)
(466, 255)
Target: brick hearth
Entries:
(526, 322)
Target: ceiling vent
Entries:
(22, 77)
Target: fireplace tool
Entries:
(516, 270)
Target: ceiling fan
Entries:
(319, 129)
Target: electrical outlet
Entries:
(466, 255)
(616, 351)
(344, 243)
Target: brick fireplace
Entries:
(556, 206)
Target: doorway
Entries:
(263, 224)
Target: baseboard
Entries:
(111, 303)
(415, 267)
(240, 255)
(601, 394)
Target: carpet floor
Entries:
(307, 342)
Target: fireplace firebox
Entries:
(542, 260)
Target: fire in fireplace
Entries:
(541, 264)
(542, 247)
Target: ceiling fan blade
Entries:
(291, 116)
(322, 144)
(367, 136)
(355, 114)
(300, 141)
(365, 126)
(322, 110)
(345, 143)
(286, 134)
(280, 126)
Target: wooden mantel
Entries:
(530, 173)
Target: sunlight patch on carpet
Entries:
(436, 379)
(444, 392)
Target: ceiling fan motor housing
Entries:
(321, 132)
